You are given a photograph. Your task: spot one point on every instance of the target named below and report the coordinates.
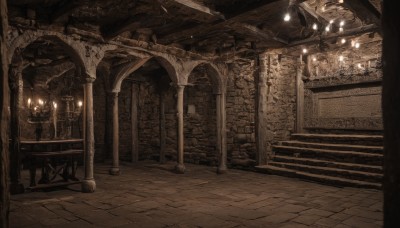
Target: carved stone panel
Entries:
(347, 107)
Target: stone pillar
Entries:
(180, 167)
(88, 183)
(16, 83)
(261, 116)
(134, 122)
(115, 166)
(221, 132)
(299, 96)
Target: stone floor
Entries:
(150, 195)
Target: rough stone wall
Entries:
(280, 113)
(240, 113)
(99, 116)
(200, 120)
(124, 116)
(148, 111)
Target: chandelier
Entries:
(41, 112)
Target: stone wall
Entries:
(99, 116)
(148, 118)
(200, 124)
(279, 109)
(347, 79)
(240, 114)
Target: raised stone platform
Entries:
(342, 160)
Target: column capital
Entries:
(114, 94)
(90, 80)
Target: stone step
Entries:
(367, 140)
(330, 155)
(336, 181)
(334, 146)
(335, 172)
(331, 164)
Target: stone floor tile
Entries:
(279, 217)
(292, 208)
(313, 211)
(148, 194)
(360, 222)
(327, 222)
(306, 219)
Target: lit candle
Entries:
(80, 104)
(29, 102)
(55, 118)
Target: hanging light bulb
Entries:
(314, 59)
(305, 50)
(357, 45)
(327, 28)
(341, 23)
(341, 58)
(315, 26)
(343, 40)
(331, 21)
(286, 17)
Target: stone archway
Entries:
(218, 83)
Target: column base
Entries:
(180, 168)
(115, 171)
(222, 169)
(88, 186)
(16, 188)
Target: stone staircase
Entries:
(340, 160)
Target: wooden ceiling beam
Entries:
(205, 28)
(314, 13)
(364, 10)
(196, 7)
(350, 32)
(265, 35)
(130, 24)
(63, 11)
(31, 2)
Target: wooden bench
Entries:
(58, 158)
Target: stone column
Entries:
(299, 96)
(115, 166)
(134, 122)
(16, 83)
(221, 132)
(88, 183)
(180, 167)
(261, 116)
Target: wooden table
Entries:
(57, 158)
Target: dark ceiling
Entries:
(208, 27)
(211, 26)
